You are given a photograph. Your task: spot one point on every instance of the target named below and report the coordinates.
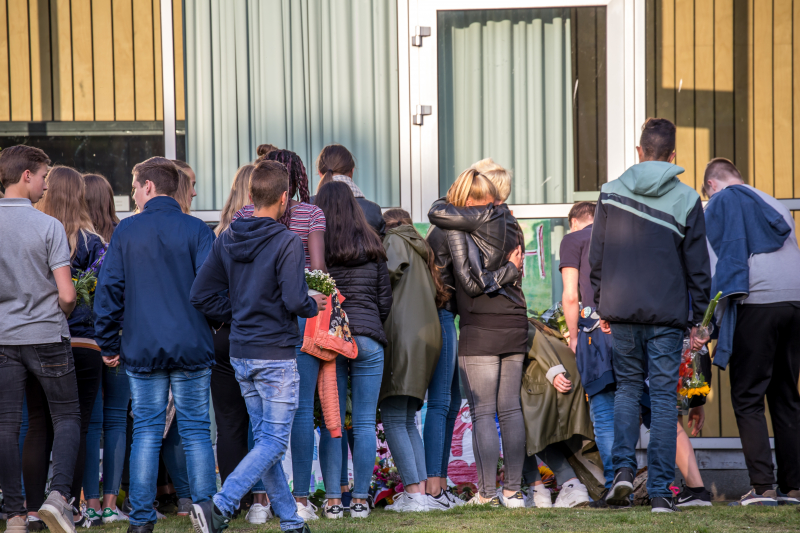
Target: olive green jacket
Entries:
(553, 417)
(412, 327)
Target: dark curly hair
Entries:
(298, 180)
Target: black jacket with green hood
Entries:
(648, 252)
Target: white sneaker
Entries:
(440, 503)
(332, 512)
(307, 512)
(573, 494)
(454, 500)
(541, 497)
(258, 514)
(517, 501)
(398, 502)
(359, 510)
(416, 503)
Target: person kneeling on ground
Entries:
(260, 263)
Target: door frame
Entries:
(418, 78)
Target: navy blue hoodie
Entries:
(262, 266)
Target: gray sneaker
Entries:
(57, 513)
(184, 506)
(18, 524)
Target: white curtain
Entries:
(505, 91)
(299, 74)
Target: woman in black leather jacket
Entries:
(481, 238)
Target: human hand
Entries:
(111, 362)
(322, 302)
(562, 384)
(699, 337)
(697, 417)
(604, 326)
(516, 257)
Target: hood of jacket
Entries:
(412, 237)
(248, 236)
(652, 178)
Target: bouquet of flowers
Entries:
(319, 281)
(85, 282)
(691, 381)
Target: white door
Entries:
(502, 79)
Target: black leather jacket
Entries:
(480, 240)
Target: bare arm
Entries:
(67, 297)
(316, 250)
(569, 301)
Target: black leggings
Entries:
(39, 440)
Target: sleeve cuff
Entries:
(59, 265)
(554, 371)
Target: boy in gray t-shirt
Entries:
(36, 297)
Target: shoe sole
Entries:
(359, 515)
(619, 492)
(662, 510)
(55, 520)
(695, 503)
(198, 520)
(255, 523)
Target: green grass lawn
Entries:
(485, 520)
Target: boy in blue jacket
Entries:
(261, 266)
(165, 343)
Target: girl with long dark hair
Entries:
(356, 260)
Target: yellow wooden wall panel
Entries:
(103, 47)
(711, 428)
(665, 54)
(763, 97)
(723, 80)
(124, 102)
(41, 83)
(82, 67)
(782, 149)
(180, 82)
(19, 60)
(5, 97)
(684, 100)
(143, 60)
(61, 48)
(159, 86)
(704, 87)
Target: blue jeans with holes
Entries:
(601, 409)
(366, 374)
(657, 348)
(149, 392)
(398, 414)
(270, 391)
(444, 401)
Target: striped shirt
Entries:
(306, 218)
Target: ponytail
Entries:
(334, 160)
(471, 184)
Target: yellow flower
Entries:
(699, 391)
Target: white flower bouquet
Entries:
(320, 282)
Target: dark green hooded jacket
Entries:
(412, 327)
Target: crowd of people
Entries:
(176, 316)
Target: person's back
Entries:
(648, 256)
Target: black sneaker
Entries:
(36, 524)
(621, 488)
(166, 503)
(304, 529)
(688, 498)
(207, 518)
(663, 505)
(602, 503)
(147, 528)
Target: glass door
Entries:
(547, 89)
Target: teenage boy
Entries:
(165, 343)
(36, 296)
(260, 264)
(648, 255)
(592, 347)
(755, 256)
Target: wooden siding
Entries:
(85, 60)
(727, 72)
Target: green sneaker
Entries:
(113, 515)
(95, 518)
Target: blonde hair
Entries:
(497, 175)
(471, 184)
(65, 200)
(183, 194)
(238, 197)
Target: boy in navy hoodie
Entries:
(260, 263)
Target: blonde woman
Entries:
(493, 330)
(237, 199)
(65, 200)
(186, 186)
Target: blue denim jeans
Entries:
(444, 401)
(270, 390)
(175, 460)
(659, 349)
(398, 414)
(149, 392)
(601, 409)
(366, 373)
(110, 418)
